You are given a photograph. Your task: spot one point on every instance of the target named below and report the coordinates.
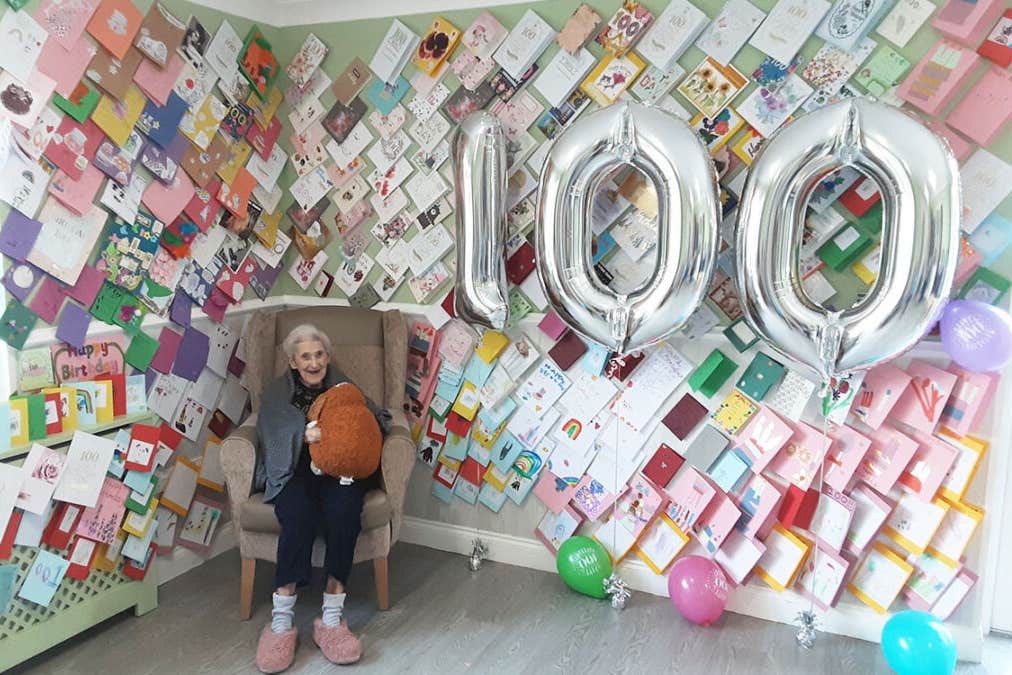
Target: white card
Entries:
(429, 133)
(525, 43)
(221, 54)
(23, 42)
(386, 151)
(267, 171)
(987, 180)
(729, 31)
(672, 33)
(905, 19)
(393, 52)
(83, 474)
(311, 188)
(428, 247)
(787, 26)
(563, 74)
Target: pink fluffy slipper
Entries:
(276, 651)
(337, 643)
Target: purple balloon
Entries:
(977, 336)
(698, 589)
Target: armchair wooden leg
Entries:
(249, 569)
(382, 587)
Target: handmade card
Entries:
(937, 77)
(782, 560)
(690, 495)
(660, 543)
(923, 401)
(822, 576)
(880, 577)
(43, 578)
(880, 390)
(914, 522)
(888, 456)
(954, 534)
(649, 386)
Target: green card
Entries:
(741, 335)
(82, 102)
(845, 247)
(882, 71)
(141, 350)
(142, 507)
(439, 408)
(520, 306)
(985, 286)
(107, 302)
(17, 4)
(760, 376)
(18, 322)
(35, 369)
(712, 373)
(36, 415)
(129, 314)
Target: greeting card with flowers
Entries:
(711, 86)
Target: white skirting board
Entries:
(181, 560)
(848, 618)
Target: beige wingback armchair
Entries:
(371, 349)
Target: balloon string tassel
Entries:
(478, 554)
(808, 623)
(617, 590)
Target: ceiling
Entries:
(300, 12)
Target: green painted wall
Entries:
(360, 38)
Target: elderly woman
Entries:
(306, 503)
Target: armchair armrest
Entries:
(238, 462)
(396, 462)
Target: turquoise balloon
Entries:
(584, 565)
(916, 643)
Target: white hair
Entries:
(305, 332)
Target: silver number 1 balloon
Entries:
(479, 173)
(671, 156)
(919, 181)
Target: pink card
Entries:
(954, 594)
(77, 195)
(961, 149)
(48, 300)
(88, 284)
(833, 515)
(799, 461)
(716, 523)
(759, 504)
(922, 403)
(986, 109)
(870, 514)
(65, 21)
(924, 473)
(554, 492)
(969, 260)
(73, 145)
(168, 345)
(884, 462)
(967, 21)
(763, 437)
(216, 305)
(969, 400)
(637, 506)
(843, 458)
(168, 201)
(690, 495)
(822, 576)
(157, 82)
(101, 522)
(879, 392)
(553, 326)
(203, 208)
(65, 67)
(939, 75)
(591, 498)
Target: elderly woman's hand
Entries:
(312, 433)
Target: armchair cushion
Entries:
(256, 516)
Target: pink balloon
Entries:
(698, 589)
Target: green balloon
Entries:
(584, 565)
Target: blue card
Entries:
(505, 451)
(441, 492)
(490, 497)
(43, 578)
(477, 371)
(991, 238)
(8, 577)
(161, 123)
(455, 446)
(385, 97)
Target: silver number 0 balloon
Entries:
(479, 173)
(674, 159)
(919, 181)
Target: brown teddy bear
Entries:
(350, 439)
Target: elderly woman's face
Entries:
(311, 361)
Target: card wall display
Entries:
(837, 286)
(341, 228)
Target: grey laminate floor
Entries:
(502, 619)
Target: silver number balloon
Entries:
(479, 173)
(919, 181)
(671, 156)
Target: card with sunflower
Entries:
(711, 86)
